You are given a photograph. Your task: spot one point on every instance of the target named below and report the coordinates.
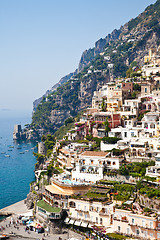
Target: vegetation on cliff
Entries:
(111, 58)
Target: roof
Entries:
(59, 190)
(64, 151)
(47, 207)
(94, 154)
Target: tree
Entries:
(69, 120)
(103, 105)
(107, 128)
(129, 72)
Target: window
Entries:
(137, 231)
(145, 90)
(101, 221)
(96, 219)
(145, 234)
(85, 216)
(151, 224)
(127, 230)
(132, 220)
(125, 134)
(158, 235)
(119, 228)
(143, 223)
(132, 134)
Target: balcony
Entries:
(81, 210)
(103, 213)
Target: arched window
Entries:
(72, 204)
(152, 125)
(146, 125)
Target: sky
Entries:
(42, 41)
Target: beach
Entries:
(11, 226)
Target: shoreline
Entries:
(15, 208)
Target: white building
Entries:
(89, 167)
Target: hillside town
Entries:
(108, 164)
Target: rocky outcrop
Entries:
(109, 59)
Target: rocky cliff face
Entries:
(110, 58)
(86, 59)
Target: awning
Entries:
(66, 220)
(77, 223)
(71, 221)
(90, 226)
(83, 224)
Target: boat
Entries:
(26, 150)
(10, 150)
(7, 155)
(3, 152)
(19, 148)
(3, 236)
(11, 146)
(21, 152)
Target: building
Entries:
(42, 148)
(57, 194)
(47, 212)
(137, 225)
(89, 167)
(86, 213)
(98, 128)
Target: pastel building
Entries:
(137, 225)
(88, 213)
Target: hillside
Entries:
(109, 59)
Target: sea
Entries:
(16, 161)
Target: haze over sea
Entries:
(16, 171)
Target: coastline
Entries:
(16, 208)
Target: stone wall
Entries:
(120, 178)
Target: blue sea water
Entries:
(16, 171)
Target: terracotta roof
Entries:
(94, 153)
(64, 151)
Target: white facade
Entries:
(90, 213)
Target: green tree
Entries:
(129, 72)
(107, 128)
(103, 105)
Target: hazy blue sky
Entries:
(41, 41)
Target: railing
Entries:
(81, 210)
(103, 214)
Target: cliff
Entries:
(110, 58)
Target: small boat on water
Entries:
(26, 150)
(3, 236)
(3, 152)
(7, 155)
(21, 152)
(19, 148)
(10, 150)
(11, 146)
